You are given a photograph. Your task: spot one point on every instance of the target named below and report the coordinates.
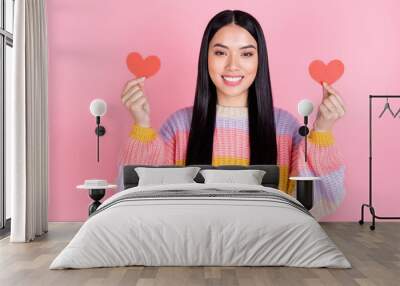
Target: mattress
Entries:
(201, 225)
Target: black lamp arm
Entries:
(303, 131)
(100, 131)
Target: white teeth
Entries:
(233, 79)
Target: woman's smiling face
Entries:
(232, 61)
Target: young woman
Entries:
(233, 120)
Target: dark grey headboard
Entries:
(270, 179)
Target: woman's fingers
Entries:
(324, 110)
(132, 90)
(330, 89)
(328, 113)
(129, 93)
(338, 105)
(132, 83)
(336, 102)
(333, 104)
(134, 97)
(138, 103)
(340, 99)
(328, 105)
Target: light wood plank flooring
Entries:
(375, 256)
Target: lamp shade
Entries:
(305, 107)
(98, 107)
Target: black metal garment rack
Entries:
(369, 205)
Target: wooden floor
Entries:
(374, 255)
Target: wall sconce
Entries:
(305, 108)
(98, 108)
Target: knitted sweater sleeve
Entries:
(324, 161)
(146, 146)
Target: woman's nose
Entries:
(232, 63)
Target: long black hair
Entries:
(262, 134)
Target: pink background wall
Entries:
(89, 41)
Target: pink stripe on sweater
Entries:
(284, 143)
(150, 153)
(324, 160)
(231, 142)
(321, 160)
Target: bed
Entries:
(199, 224)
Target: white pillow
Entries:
(249, 177)
(162, 176)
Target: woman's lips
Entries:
(232, 80)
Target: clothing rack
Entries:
(370, 205)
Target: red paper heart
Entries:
(326, 73)
(143, 67)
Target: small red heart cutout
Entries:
(326, 73)
(143, 67)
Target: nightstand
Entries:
(304, 190)
(96, 193)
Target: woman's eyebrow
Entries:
(242, 48)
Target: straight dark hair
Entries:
(262, 132)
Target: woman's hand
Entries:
(136, 102)
(330, 109)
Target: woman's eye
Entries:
(220, 53)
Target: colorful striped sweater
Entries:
(231, 147)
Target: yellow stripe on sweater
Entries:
(291, 188)
(321, 138)
(143, 134)
(283, 175)
(285, 185)
(218, 161)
